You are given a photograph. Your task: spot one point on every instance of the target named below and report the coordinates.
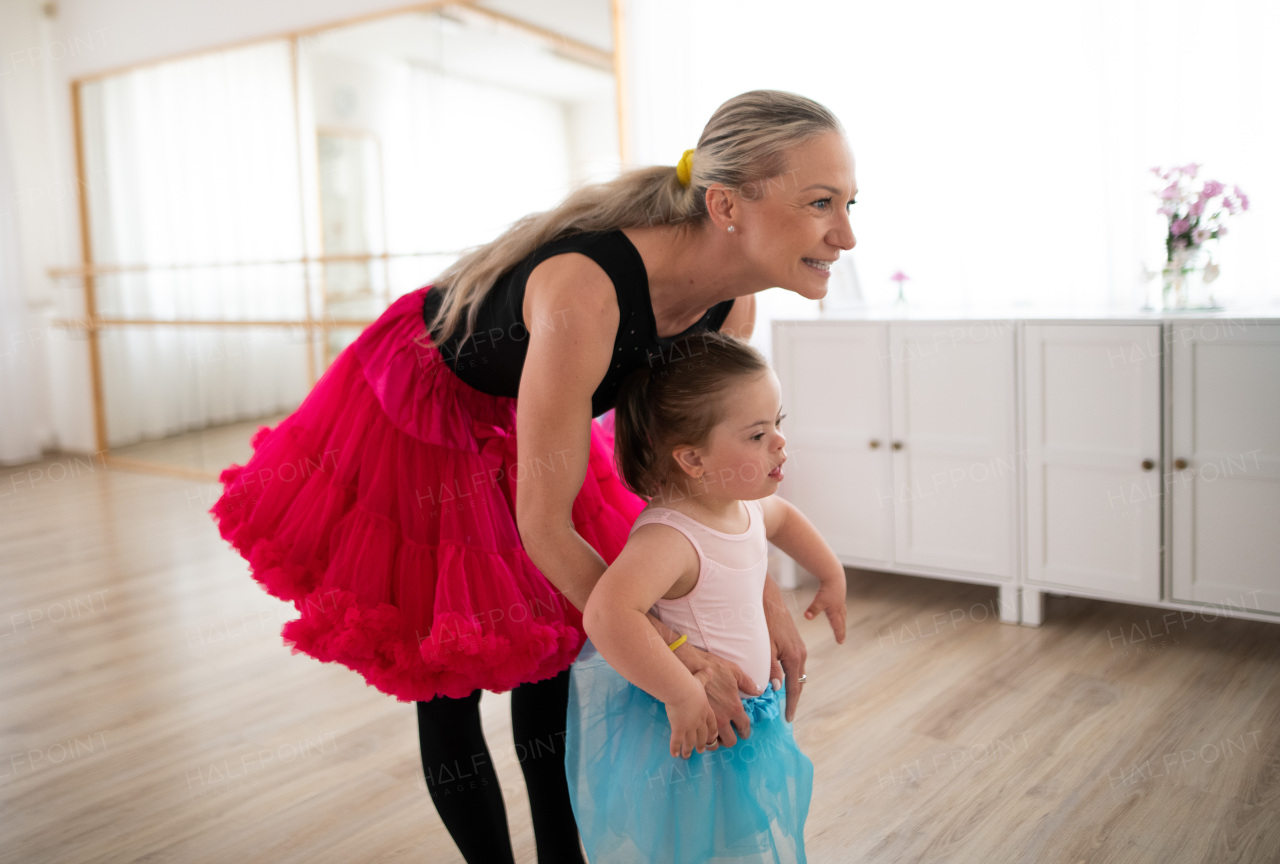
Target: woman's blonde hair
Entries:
(677, 399)
(744, 142)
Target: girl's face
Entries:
(743, 455)
(794, 226)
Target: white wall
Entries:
(959, 115)
(1002, 146)
(133, 31)
(34, 61)
(593, 141)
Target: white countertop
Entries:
(910, 313)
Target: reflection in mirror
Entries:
(479, 119)
(193, 197)
(351, 223)
(246, 227)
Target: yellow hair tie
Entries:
(684, 168)
(676, 644)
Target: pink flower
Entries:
(1244, 199)
(1200, 235)
(1170, 192)
(899, 277)
(1212, 188)
(1180, 227)
(1166, 210)
(1196, 208)
(1229, 205)
(1222, 231)
(1190, 169)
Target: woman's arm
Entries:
(616, 619)
(571, 312)
(572, 315)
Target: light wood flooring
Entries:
(151, 713)
(202, 451)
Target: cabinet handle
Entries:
(1147, 464)
(897, 445)
(875, 443)
(1180, 464)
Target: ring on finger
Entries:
(803, 678)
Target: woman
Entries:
(433, 550)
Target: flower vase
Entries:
(1186, 283)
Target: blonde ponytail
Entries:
(745, 141)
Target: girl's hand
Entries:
(831, 599)
(721, 680)
(693, 724)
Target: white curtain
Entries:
(19, 413)
(196, 162)
(1002, 146)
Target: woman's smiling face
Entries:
(792, 227)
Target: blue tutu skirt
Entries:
(635, 802)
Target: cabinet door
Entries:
(1092, 411)
(1224, 463)
(953, 446)
(834, 393)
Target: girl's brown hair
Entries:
(745, 141)
(676, 400)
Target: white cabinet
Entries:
(1092, 429)
(835, 392)
(953, 451)
(1223, 468)
(1131, 458)
(901, 440)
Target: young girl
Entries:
(698, 434)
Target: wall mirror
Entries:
(249, 210)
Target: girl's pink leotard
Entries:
(724, 613)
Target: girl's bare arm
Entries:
(616, 618)
(789, 530)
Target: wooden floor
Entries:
(152, 714)
(206, 450)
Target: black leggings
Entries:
(464, 786)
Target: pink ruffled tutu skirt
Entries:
(384, 510)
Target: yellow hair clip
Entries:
(684, 168)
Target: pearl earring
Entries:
(730, 229)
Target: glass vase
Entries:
(1186, 283)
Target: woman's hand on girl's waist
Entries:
(721, 679)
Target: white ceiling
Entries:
(589, 21)
(471, 45)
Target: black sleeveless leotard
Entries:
(493, 358)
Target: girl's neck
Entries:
(692, 498)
